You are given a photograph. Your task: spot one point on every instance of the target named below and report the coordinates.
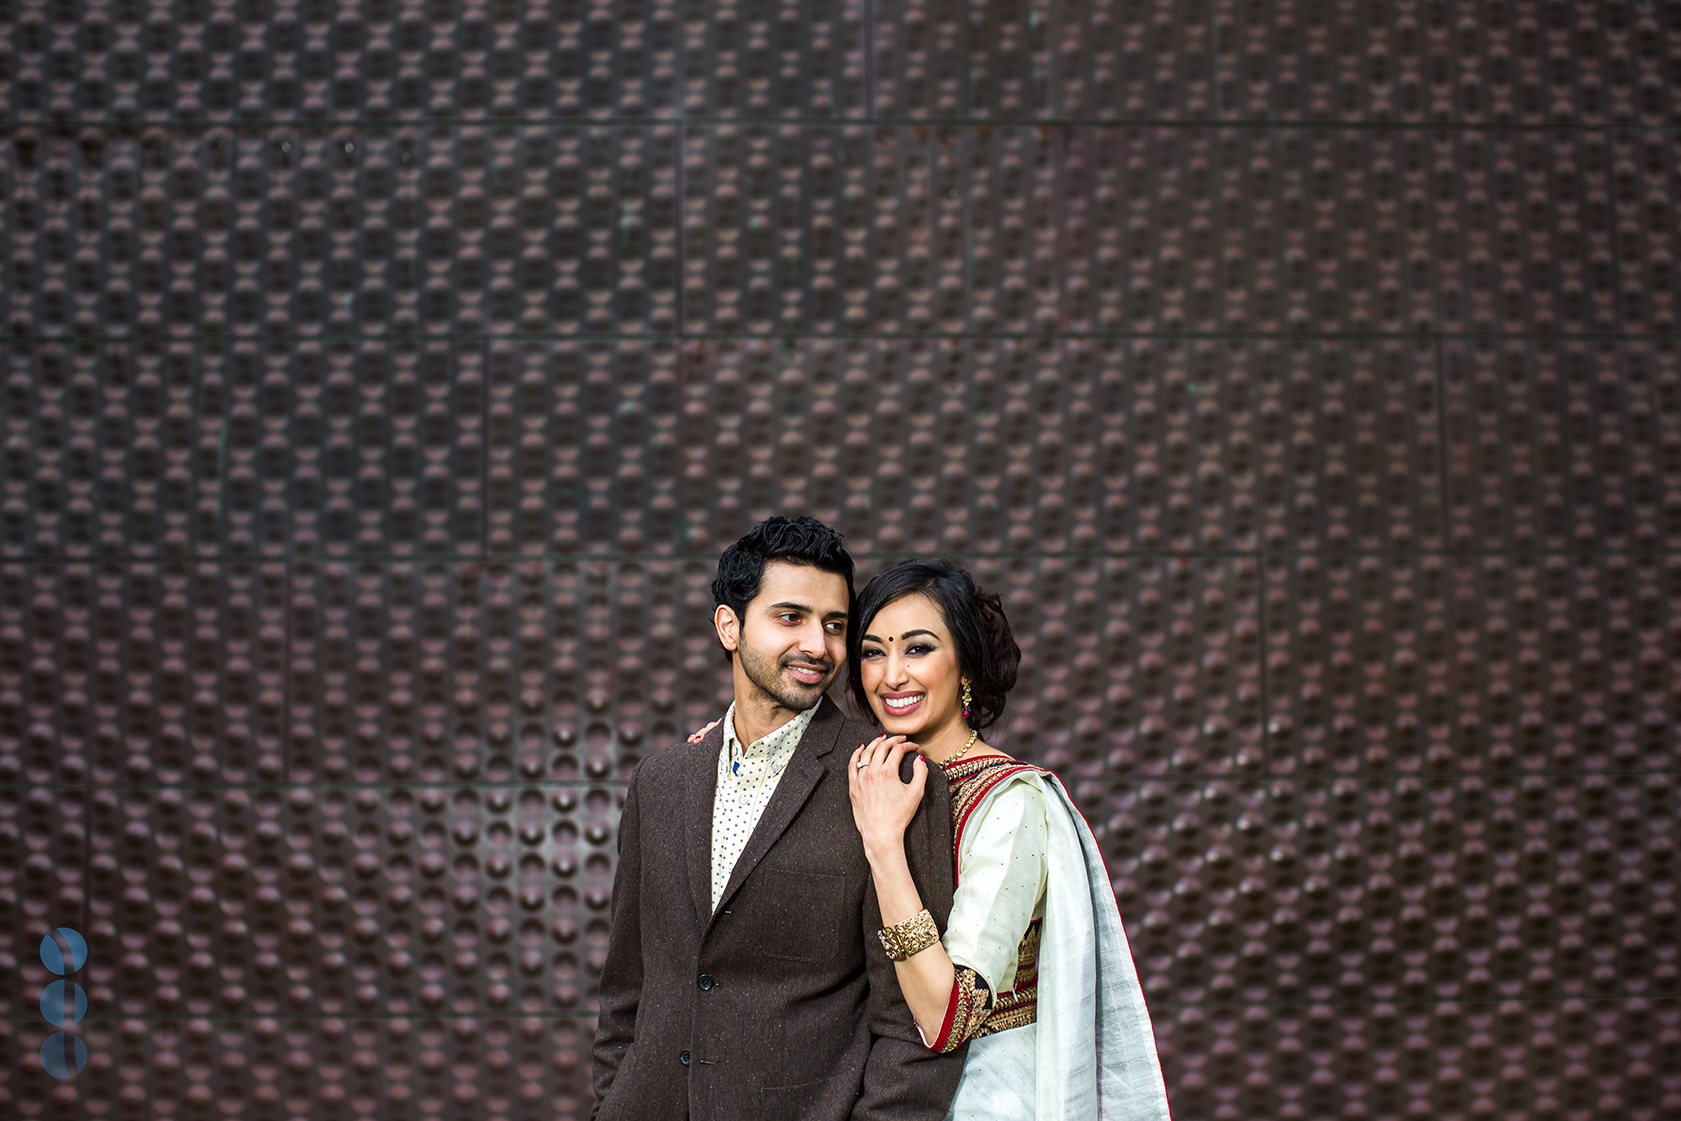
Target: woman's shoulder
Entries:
(993, 785)
(988, 771)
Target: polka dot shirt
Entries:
(747, 777)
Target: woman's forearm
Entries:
(925, 977)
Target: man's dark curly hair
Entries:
(987, 653)
(803, 540)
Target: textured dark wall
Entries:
(382, 380)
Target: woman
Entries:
(1033, 968)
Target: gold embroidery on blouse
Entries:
(966, 1013)
(970, 780)
(1020, 1006)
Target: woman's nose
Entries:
(895, 673)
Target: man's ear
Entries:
(728, 627)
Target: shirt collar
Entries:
(780, 742)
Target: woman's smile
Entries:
(902, 704)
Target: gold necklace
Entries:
(973, 735)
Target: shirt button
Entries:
(683, 1058)
(705, 982)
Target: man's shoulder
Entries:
(851, 732)
(831, 722)
(677, 762)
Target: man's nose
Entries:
(812, 641)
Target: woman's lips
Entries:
(895, 710)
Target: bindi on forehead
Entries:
(906, 635)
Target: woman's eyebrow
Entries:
(907, 634)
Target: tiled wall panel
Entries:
(381, 380)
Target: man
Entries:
(744, 980)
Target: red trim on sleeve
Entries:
(944, 1038)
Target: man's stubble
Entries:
(766, 676)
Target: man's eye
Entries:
(837, 628)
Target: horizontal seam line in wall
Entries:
(793, 334)
(378, 784)
(1075, 780)
(570, 124)
(247, 560)
(429, 1015)
(1537, 998)
(1155, 1005)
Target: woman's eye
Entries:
(869, 653)
(917, 648)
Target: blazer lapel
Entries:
(797, 782)
(697, 828)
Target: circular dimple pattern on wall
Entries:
(382, 380)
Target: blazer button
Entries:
(705, 982)
(683, 1058)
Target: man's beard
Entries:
(766, 675)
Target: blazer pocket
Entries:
(802, 913)
(791, 1103)
(621, 1091)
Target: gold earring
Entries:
(967, 696)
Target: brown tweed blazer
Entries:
(782, 1005)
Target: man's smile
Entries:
(809, 674)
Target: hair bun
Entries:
(1006, 655)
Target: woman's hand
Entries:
(700, 735)
(882, 805)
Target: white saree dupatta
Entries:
(1092, 1054)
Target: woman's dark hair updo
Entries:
(987, 653)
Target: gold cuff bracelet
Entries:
(912, 936)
